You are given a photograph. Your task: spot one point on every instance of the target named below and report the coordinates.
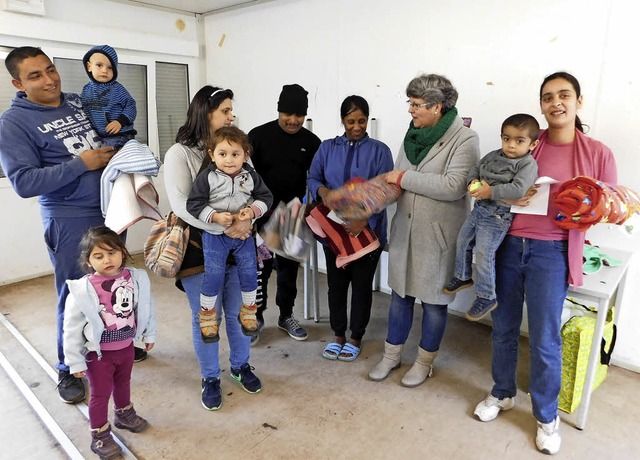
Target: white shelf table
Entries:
(600, 288)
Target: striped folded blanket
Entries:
(360, 199)
(347, 248)
(584, 201)
(133, 158)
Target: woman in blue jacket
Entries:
(354, 154)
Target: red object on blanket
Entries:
(360, 199)
(584, 201)
(347, 248)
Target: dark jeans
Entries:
(287, 290)
(359, 274)
(434, 322)
(62, 236)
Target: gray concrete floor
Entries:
(310, 407)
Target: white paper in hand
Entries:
(334, 217)
(538, 203)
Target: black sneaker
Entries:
(456, 285)
(256, 337)
(70, 389)
(249, 381)
(293, 328)
(211, 394)
(480, 308)
(139, 354)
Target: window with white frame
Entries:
(172, 94)
(131, 76)
(172, 101)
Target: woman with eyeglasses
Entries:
(210, 109)
(352, 155)
(431, 168)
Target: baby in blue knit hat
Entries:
(108, 104)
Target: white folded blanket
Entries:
(132, 158)
(133, 197)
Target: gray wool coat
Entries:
(430, 212)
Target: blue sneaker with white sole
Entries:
(246, 378)
(211, 394)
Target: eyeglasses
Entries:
(414, 106)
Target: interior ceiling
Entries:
(193, 6)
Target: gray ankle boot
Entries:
(390, 361)
(421, 369)
(103, 444)
(126, 418)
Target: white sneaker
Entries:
(548, 437)
(490, 407)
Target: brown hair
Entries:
(105, 238)
(229, 134)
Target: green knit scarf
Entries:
(418, 141)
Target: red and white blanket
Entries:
(347, 248)
(584, 201)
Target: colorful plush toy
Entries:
(584, 201)
(360, 199)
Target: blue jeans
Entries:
(62, 235)
(216, 250)
(228, 304)
(535, 271)
(485, 229)
(434, 322)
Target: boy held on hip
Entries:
(226, 188)
(504, 174)
(105, 312)
(108, 104)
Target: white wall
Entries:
(496, 52)
(70, 27)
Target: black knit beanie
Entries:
(107, 51)
(293, 99)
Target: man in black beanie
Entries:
(282, 154)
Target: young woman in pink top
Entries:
(537, 261)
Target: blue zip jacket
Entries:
(39, 151)
(338, 160)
